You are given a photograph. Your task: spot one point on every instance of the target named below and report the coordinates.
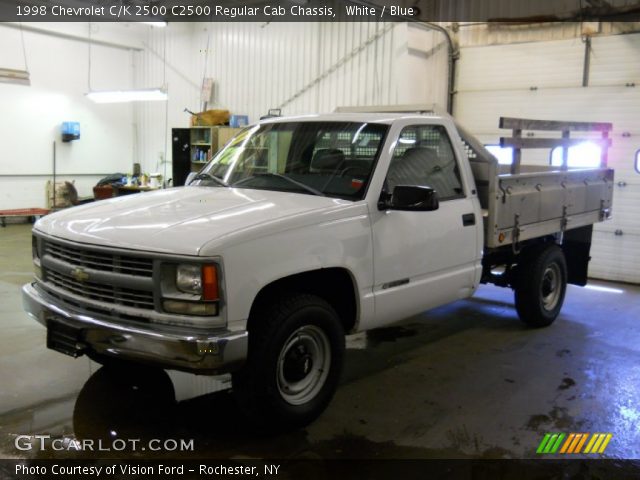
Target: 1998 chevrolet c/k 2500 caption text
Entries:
(184, 11)
(159, 469)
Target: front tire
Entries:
(296, 350)
(541, 286)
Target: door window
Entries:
(424, 156)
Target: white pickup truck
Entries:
(304, 229)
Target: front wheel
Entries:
(296, 349)
(541, 286)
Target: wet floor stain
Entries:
(567, 383)
(558, 419)
(389, 334)
(461, 439)
(140, 403)
(536, 421)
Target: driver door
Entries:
(424, 259)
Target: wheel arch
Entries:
(336, 285)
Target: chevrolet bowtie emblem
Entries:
(79, 274)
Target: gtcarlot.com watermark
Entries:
(45, 442)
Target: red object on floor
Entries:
(22, 212)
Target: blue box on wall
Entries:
(238, 121)
(70, 131)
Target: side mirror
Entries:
(410, 198)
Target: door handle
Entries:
(468, 219)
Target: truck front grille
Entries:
(100, 261)
(97, 276)
(102, 293)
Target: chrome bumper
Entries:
(151, 344)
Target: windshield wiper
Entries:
(284, 177)
(207, 175)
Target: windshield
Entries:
(334, 159)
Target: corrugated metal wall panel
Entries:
(615, 257)
(311, 67)
(299, 67)
(154, 120)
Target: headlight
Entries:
(199, 280)
(189, 279)
(191, 289)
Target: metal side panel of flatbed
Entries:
(538, 203)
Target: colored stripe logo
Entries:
(562, 443)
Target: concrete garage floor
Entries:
(464, 381)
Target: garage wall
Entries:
(182, 79)
(314, 67)
(298, 67)
(543, 80)
(31, 116)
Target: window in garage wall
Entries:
(503, 154)
(586, 155)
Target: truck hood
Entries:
(182, 220)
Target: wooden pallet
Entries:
(22, 212)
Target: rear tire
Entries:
(296, 350)
(540, 287)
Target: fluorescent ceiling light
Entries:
(20, 77)
(120, 96)
(156, 24)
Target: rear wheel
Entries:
(296, 350)
(541, 285)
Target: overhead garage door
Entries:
(543, 80)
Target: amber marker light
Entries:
(209, 283)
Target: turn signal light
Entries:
(209, 283)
